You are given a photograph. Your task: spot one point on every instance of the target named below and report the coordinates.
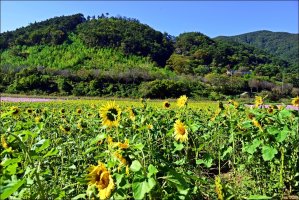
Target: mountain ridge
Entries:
(281, 44)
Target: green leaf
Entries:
(138, 146)
(6, 114)
(207, 160)
(97, 139)
(284, 114)
(268, 153)
(178, 180)
(61, 195)
(140, 189)
(79, 196)
(178, 147)
(272, 130)
(90, 149)
(282, 135)
(151, 170)
(119, 178)
(7, 162)
(12, 169)
(227, 151)
(151, 183)
(258, 197)
(194, 127)
(252, 148)
(246, 124)
(135, 166)
(52, 152)
(11, 188)
(43, 145)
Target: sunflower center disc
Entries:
(112, 113)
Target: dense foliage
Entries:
(128, 35)
(281, 44)
(106, 56)
(196, 53)
(53, 31)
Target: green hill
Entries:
(281, 44)
(196, 53)
(119, 56)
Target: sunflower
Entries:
(110, 114)
(166, 104)
(79, 111)
(295, 101)
(258, 101)
(250, 115)
(37, 119)
(110, 140)
(124, 145)
(15, 110)
(29, 110)
(182, 101)
(3, 142)
(180, 131)
(81, 124)
(132, 113)
(121, 159)
(149, 126)
(65, 128)
(256, 123)
(279, 107)
(62, 111)
(101, 178)
(232, 102)
(270, 110)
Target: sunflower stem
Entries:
(23, 146)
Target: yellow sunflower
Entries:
(121, 159)
(29, 110)
(15, 110)
(110, 114)
(37, 119)
(62, 111)
(81, 124)
(235, 103)
(124, 145)
(250, 115)
(270, 110)
(180, 131)
(101, 178)
(132, 113)
(258, 101)
(182, 101)
(79, 111)
(149, 126)
(256, 123)
(295, 101)
(166, 104)
(3, 142)
(65, 128)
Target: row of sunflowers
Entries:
(77, 150)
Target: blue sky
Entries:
(212, 18)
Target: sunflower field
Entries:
(170, 150)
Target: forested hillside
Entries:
(281, 44)
(119, 56)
